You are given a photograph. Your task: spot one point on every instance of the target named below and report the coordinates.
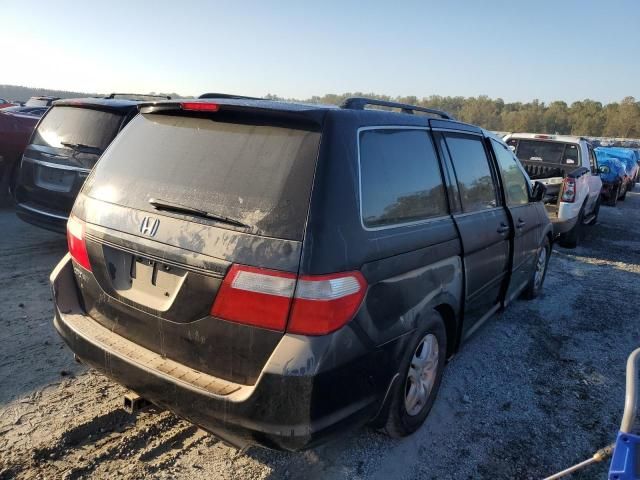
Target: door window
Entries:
(475, 182)
(400, 177)
(515, 183)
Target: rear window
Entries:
(259, 175)
(547, 152)
(36, 102)
(73, 125)
(400, 177)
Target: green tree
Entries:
(587, 118)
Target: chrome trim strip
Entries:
(42, 212)
(57, 165)
(464, 132)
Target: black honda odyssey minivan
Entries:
(276, 273)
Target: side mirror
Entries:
(539, 191)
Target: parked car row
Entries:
(568, 167)
(279, 272)
(578, 176)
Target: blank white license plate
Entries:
(54, 179)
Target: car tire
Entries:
(570, 238)
(420, 374)
(596, 212)
(534, 288)
(13, 181)
(624, 194)
(612, 201)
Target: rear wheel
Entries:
(570, 238)
(539, 272)
(420, 375)
(596, 211)
(624, 193)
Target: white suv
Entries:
(568, 167)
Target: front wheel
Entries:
(539, 271)
(420, 376)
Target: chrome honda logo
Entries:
(149, 226)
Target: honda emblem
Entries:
(149, 226)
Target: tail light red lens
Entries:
(325, 303)
(569, 190)
(76, 242)
(200, 106)
(312, 305)
(255, 296)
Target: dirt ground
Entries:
(538, 388)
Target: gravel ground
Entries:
(538, 388)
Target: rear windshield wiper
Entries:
(82, 147)
(160, 204)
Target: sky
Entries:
(516, 50)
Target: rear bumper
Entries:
(54, 221)
(563, 226)
(294, 405)
(562, 217)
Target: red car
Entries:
(5, 103)
(16, 126)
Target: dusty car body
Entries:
(277, 273)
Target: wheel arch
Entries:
(452, 326)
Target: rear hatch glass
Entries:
(258, 175)
(546, 151)
(72, 126)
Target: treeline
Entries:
(22, 94)
(586, 117)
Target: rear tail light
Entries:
(255, 296)
(569, 190)
(312, 305)
(76, 242)
(324, 303)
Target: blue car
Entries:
(618, 172)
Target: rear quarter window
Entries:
(400, 177)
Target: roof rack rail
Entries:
(228, 95)
(129, 95)
(358, 103)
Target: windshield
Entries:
(68, 126)
(258, 175)
(546, 151)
